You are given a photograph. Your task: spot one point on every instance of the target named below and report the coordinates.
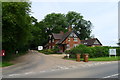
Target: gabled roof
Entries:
(66, 35)
(90, 42)
(63, 36)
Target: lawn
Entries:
(100, 59)
(4, 64)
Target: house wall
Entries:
(71, 42)
(51, 45)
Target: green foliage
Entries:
(16, 27)
(4, 64)
(51, 51)
(112, 58)
(93, 52)
(80, 25)
(56, 49)
(55, 23)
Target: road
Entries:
(37, 65)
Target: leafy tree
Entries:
(55, 22)
(73, 18)
(76, 21)
(38, 34)
(16, 26)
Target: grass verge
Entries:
(100, 59)
(4, 64)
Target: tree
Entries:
(55, 22)
(73, 18)
(38, 33)
(16, 26)
(76, 21)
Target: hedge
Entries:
(94, 52)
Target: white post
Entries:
(68, 55)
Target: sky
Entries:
(102, 14)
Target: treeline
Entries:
(21, 31)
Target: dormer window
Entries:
(68, 39)
(96, 42)
(75, 39)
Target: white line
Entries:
(111, 76)
(13, 74)
(28, 73)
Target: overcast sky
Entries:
(102, 14)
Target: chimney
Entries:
(69, 28)
(61, 32)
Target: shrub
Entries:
(118, 51)
(81, 49)
(47, 51)
(94, 52)
(56, 49)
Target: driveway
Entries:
(35, 62)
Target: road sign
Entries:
(40, 47)
(112, 52)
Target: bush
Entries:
(47, 51)
(51, 51)
(56, 49)
(118, 51)
(94, 52)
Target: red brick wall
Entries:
(72, 42)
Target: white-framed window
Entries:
(53, 47)
(75, 39)
(75, 45)
(68, 46)
(52, 40)
(85, 43)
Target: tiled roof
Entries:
(64, 37)
(90, 42)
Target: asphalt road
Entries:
(36, 65)
(101, 71)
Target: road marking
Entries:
(28, 73)
(13, 74)
(111, 76)
(42, 71)
(65, 67)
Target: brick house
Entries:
(68, 40)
